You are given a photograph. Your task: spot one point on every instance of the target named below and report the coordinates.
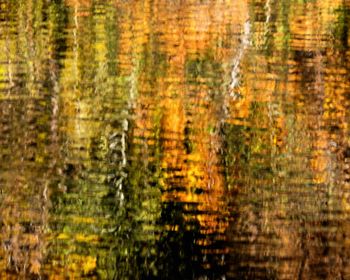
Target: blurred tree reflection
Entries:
(157, 139)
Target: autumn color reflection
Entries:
(168, 140)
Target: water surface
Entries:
(174, 139)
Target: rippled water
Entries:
(174, 139)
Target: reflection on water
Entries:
(174, 140)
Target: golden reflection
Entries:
(187, 32)
(232, 116)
